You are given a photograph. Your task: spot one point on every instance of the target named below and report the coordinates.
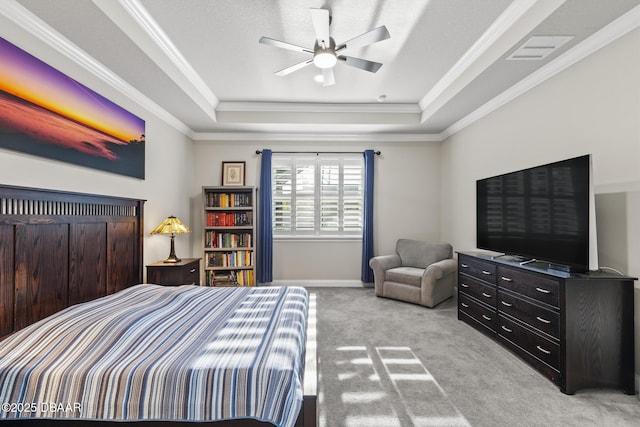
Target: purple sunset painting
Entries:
(46, 113)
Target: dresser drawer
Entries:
(476, 268)
(191, 274)
(477, 289)
(538, 317)
(185, 272)
(477, 311)
(534, 344)
(539, 288)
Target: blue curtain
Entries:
(265, 226)
(367, 220)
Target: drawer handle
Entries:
(506, 304)
(506, 279)
(544, 291)
(543, 320)
(464, 266)
(504, 328)
(193, 270)
(464, 305)
(464, 285)
(486, 273)
(486, 295)
(543, 350)
(486, 317)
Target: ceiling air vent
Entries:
(538, 47)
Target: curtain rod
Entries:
(377, 153)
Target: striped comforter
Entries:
(163, 353)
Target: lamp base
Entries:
(172, 255)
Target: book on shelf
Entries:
(229, 278)
(239, 258)
(229, 219)
(217, 239)
(229, 200)
(245, 278)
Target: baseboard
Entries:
(319, 283)
(638, 386)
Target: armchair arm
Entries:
(385, 262)
(438, 281)
(440, 269)
(379, 265)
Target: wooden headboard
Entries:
(59, 248)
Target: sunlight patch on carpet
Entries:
(410, 378)
(387, 386)
(365, 421)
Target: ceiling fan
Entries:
(325, 50)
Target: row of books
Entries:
(216, 239)
(230, 259)
(228, 200)
(229, 219)
(229, 278)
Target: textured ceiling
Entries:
(200, 63)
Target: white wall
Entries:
(592, 107)
(168, 158)
(407, 201)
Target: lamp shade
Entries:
(171, 225)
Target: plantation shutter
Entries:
(317, 195)
(282, 176)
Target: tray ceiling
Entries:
(199, 66)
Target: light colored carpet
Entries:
(385, 363)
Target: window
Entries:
(317, 195)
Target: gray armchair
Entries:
(419, 272)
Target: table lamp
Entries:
(171, 226)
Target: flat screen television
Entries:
(544, 213)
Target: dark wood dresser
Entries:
(575, 329)
(185, 272)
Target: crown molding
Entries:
(136, 22)
(315, 137)
(513, 24)
(618, 28)
(315, 107)
(42, 31)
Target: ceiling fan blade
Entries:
(284, 45)
(328, 79)
(373, 36)
(320, 18)
(363, 64)
(293, 68)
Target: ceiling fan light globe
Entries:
(325, 58)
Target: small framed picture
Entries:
(233, 173)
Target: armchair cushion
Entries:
(415, 253)
(409, 275)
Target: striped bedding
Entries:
(151, 352)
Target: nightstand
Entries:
(185, 272)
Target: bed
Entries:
(151, 352)
(68, 258)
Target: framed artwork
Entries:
(233, 173)
(46, 113)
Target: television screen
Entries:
(541, 213)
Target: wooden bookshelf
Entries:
(229, 236)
